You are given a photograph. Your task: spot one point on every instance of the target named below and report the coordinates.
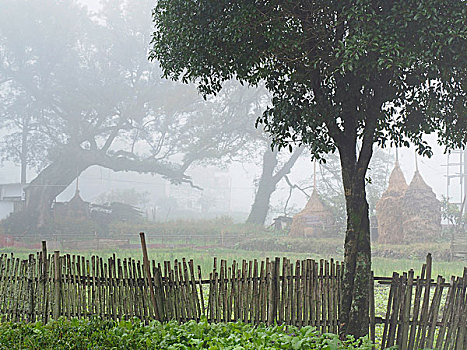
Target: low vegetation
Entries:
(99, 334)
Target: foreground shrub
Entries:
(99, 334)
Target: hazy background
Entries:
(238, 178)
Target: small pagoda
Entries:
(410, 213)
(389, 211)
(75, 208)
(422, 211)
(314, 220)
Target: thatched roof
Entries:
(418, 183)
(407, 213)
(77, 206)
(389, 208)
(76, 201)
(314, 204)
(422, 211)
(313, 219)
(419, 192)
(397, 184)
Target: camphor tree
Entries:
(77, 90)
(78, 98)
(330, 183)
(344, 76)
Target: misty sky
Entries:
(431, 169)
(94, 181)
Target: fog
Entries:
(92, 85)
(96, 181)
(300, 166)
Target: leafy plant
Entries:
(99, 334)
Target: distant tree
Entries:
(76, 96)
(245, 106)
(273, 171)
(78, 91)
(344, 76)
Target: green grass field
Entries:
(204, 258)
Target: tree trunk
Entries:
(73, 160)
(52, 181)
(24, 151)
(354, 315)
(266, 187)
(268, 182)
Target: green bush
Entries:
(99, 334)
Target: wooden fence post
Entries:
(147, 271)
(45, 279)
(273, 280)
(31, 288)
(57, 285)
(276, 283)
(372, 308)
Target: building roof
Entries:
(314, 203)
(397, 183)
(12, 191)
(418, 183)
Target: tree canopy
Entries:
(318, 57)
(343, 75)
(79, 91)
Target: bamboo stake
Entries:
(148, 274)
(57, 284)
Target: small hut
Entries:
(422, 212)
(389, 211)
(314, 220)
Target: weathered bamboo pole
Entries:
(57, 285)
(147, 270)
(31, 263)
(45, 278)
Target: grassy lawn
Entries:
(204, 258)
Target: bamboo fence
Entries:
(49, 286)
(421, 312)
(419, 318)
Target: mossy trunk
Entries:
(51, 181)
(354, 315)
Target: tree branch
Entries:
(288, 165)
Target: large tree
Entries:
(273, 171)
(79, 91)
(344, 76)
(246, 105)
